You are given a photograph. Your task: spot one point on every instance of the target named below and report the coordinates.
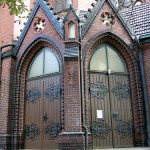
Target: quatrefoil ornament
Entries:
(39, 24)
(107, 18)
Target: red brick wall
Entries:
(72, 96)
(6, 99)
(6, 26)
(75, 4)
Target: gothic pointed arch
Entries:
(36, 89)
(100, 41)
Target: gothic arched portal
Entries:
(42, 101)
(109, 99)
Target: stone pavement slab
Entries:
(132, 148)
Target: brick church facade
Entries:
(71, 82)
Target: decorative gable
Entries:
(41, 17)
(71, 23)
(105, 17)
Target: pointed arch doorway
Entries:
(42, 105)
(109, 99)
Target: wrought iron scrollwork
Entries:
(53, 92)
(100, 129)
(33, 95)
(121, 91)
(98, 90)
(52, 130)
(32, 131)
(124, 128)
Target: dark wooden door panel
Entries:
(33, 113)
(100, 105)
(51, 109)
(42, 113)
(121, 110)
(110, 95)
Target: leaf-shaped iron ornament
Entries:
(32, 131)
(100, 129)
(33, 95)
(124, 128)
(52, 130)
(98, 90)
(121, 91)
(52, 92)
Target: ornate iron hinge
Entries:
(52, 130)
(98, 90)
(53, 92)
(100, 129)
(33, 95)
(123, 128)
(32, 131)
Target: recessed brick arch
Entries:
(134, 76)
(22, 69)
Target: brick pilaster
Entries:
(5, 103)
(72, 137)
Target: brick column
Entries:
(5, 103)
(72, 137)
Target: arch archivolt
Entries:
(132, 65)
(22, 68)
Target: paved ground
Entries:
(133, 148)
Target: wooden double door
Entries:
(110, 110)
(42, 112)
